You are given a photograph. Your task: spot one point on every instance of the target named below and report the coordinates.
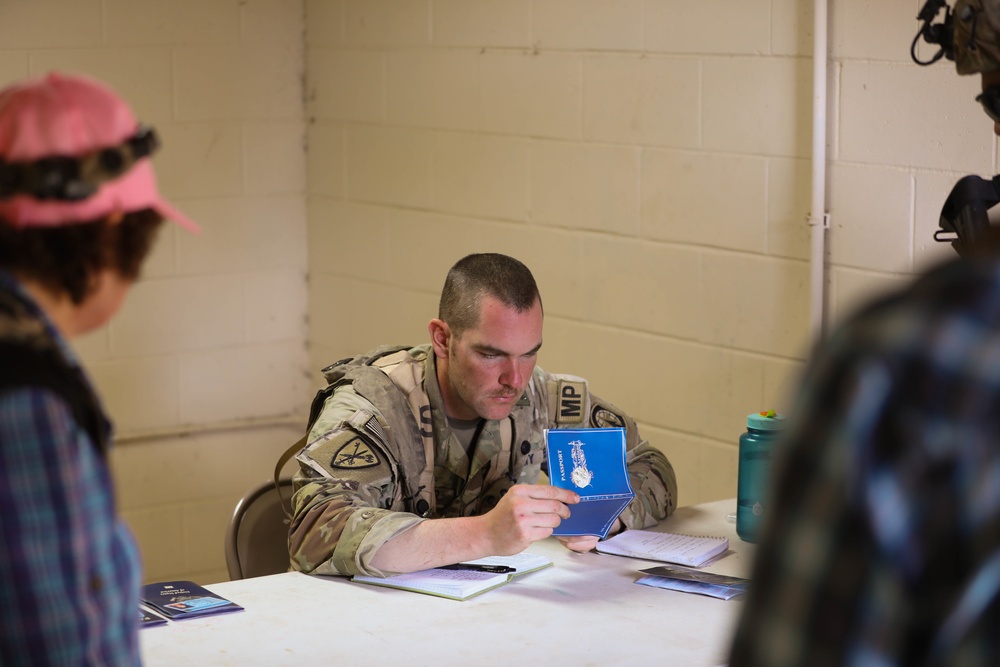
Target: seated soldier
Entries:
(429, 455)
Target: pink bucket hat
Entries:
(71, 151)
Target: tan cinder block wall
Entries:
(648, 161)
(205, 365)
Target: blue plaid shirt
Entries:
(69, 569)
(882, 543)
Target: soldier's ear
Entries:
(440, 336)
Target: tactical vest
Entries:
(399, 392)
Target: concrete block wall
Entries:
(205, 365)
(901, 136)
(650, 162)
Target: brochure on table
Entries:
(591, 462)
(687, 580)
(148, 619)
(178, 600)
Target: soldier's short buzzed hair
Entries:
(485, 274)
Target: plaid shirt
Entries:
(69, 569)
(882, 546)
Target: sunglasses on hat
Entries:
(75, 179)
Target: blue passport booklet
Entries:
(591, 462)
(178, 600)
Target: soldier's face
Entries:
(490, 366)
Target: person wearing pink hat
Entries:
(79, 210)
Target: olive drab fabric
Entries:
(381, 457)
(976, 36)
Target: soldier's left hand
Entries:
(583, 543)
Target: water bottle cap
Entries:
(768, 420)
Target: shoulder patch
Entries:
(601, 417)
(355, 454)
(570, 402)
(348, 454)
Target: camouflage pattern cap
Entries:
(977, 36)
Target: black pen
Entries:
(475, 567)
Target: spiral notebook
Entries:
(461, 584)
(690, 550)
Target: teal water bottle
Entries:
(756, 445)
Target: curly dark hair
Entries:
(66, 258)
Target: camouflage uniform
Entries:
(363, 477)
(976, 36)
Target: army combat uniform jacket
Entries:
(381, 457)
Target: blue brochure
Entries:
(590, 461)
(178, 600)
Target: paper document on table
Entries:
(690, 550)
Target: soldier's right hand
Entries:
(527, 513)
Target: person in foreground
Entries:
(428, 455)
(79, 210)
(883, 542)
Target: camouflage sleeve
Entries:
(650, 473)
(345, 485)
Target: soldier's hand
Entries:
(527, 513)
(581, 543)
(584, 543)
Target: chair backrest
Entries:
(257, 535)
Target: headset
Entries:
(941, 34)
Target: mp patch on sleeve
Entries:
(570, 402)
